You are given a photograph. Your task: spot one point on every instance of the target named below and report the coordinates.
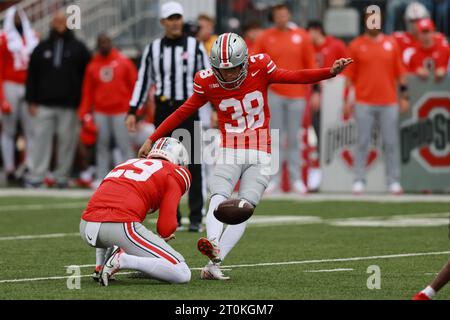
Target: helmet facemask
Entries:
(230, 85)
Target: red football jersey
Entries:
(136, 187)
(243, 112)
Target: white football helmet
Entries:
(171, 150)
(229, 51)
(416, 11)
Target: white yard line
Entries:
(330, 270)
(413, 220)
(265, 264)
(54, 193)
(391, 256)
(25, 208)
(40, 236)
(53, 278)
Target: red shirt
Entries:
(8, 71)
(243, 113)
(437, 55)
(290, 49)
(331, 50)
(407, 43)
(138, 186)
(376, 69)
(108, 84)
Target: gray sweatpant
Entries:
(111, 127)
(286, 115)
(50, 121)
(15, 96)
(387, 117)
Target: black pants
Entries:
(196, 201)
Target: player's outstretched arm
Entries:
(309, 76)
(339, 65)
(194, 103)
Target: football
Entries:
(234, 211)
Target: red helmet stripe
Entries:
(160, 144)
(225, 41)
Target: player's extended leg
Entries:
(254, 181)
(140, 249)
(441, 280)
(226, 174)
(224, 179)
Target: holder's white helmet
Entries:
(171, 150)
(229, 51)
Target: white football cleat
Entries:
(395, 188)
(358, 187)
(212, 272)
(112, 265)
(299, 187)
(209, 248)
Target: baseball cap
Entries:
(425, 25)
(170, 8)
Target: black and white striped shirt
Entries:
(171, 65)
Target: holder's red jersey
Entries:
(137, 187)
(243, 112)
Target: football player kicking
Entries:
(114, 214)
(236, 86)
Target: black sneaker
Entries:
(195, 227)
(12, 180)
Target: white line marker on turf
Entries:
(29, 207)
(40, 236)
(391, 256)
(330, 270)
(54, 278)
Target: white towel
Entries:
(20, 51)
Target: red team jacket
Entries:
(243, 111)
(136, 187)
(108, 84)
(7, 70)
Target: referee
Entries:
(171, 63)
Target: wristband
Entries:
(316, 88)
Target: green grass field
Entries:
(321, 251)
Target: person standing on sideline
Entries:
(17, 42)
(430, 55)
(327, 49)
(107, 88)
(171, 63)
(290, 48)
(53, 93)
(376, 75)
(205, 32)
